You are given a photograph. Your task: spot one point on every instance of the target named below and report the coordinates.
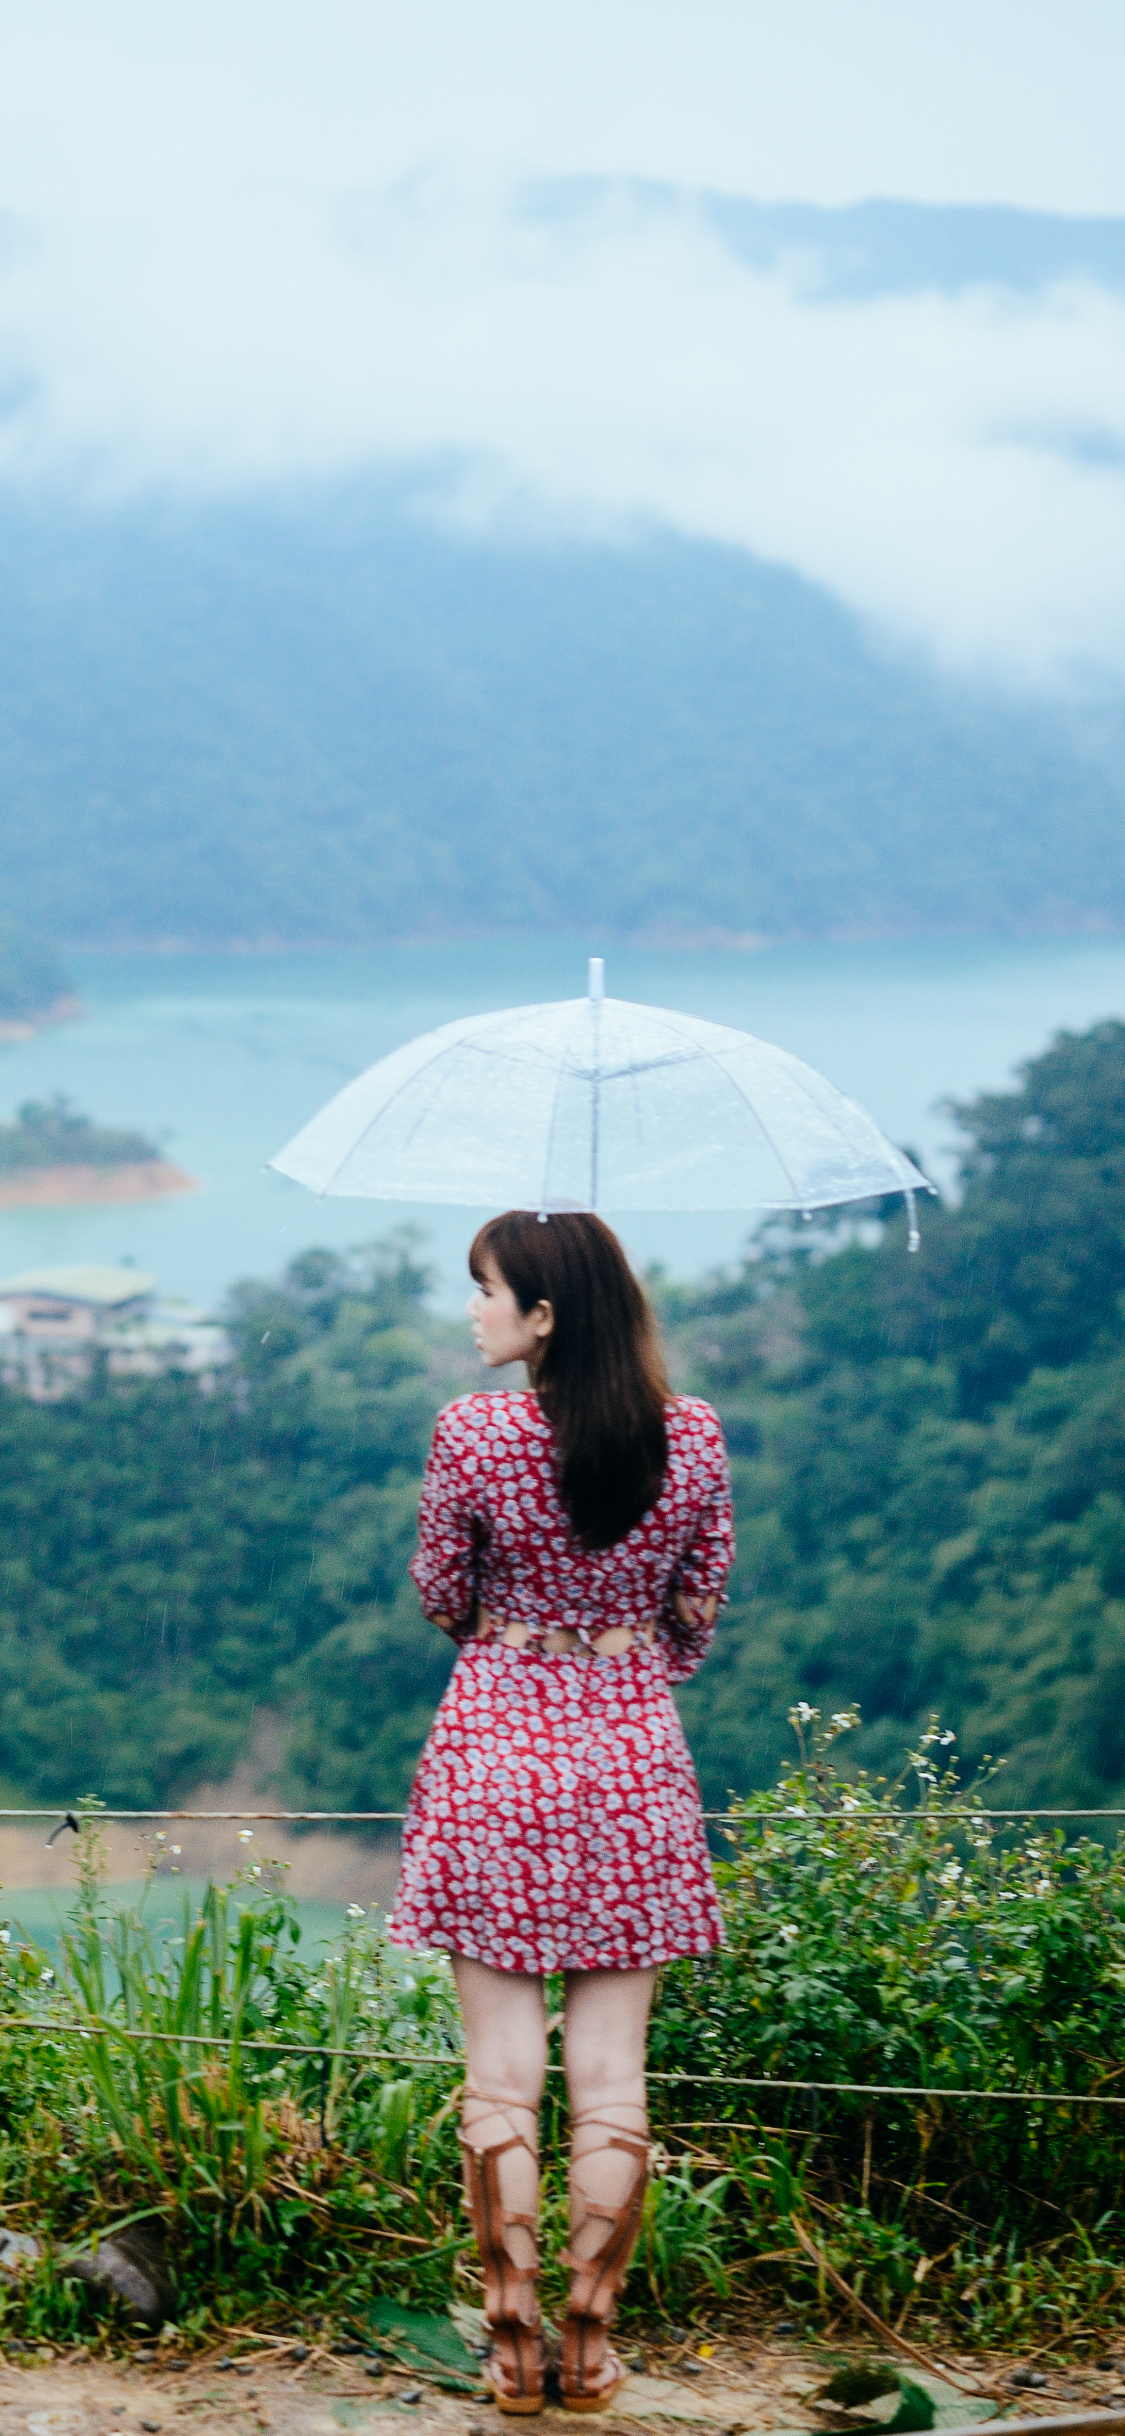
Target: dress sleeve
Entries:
(449, 1533)
(701, 1572)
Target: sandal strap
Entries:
(598, 2277)
(506, 2107)
(510, 2297)
(496, 2148)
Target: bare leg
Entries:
(506, 2058)
(604, 2048)
(506, 2052)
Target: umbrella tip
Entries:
(595, 977)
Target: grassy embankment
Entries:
(874, 1936)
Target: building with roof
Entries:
(55, 1323)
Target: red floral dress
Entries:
(555, 1821)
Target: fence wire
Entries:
(428, 2063)
(363, 2056)
(714, 1818)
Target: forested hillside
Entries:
(321, 718)
(929, 1456)
(172, 1558)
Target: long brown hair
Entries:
(600, 1377)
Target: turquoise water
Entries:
(41, 1913)
(222, 1058)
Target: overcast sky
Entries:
(251, 243)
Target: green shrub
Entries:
(876, 1934)
(878, 1939)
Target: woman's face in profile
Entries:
(501, 1331)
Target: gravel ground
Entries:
(748, 2384)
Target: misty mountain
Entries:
(326, 717)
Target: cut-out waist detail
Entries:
(561, 1640)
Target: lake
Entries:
(221, 1058)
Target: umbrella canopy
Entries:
(593, 1103)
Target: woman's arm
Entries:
(695, 1593)
(449, 1534)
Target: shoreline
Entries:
(77, 1186)
(652, 938)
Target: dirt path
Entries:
(749, 2384)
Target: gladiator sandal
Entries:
(590, 2372)
(514, 2367)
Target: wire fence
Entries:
(714, 1818)
(363, 2057)
(452, 2061)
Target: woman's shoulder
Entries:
(486, 1413)
(694, 1425)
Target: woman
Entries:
(574, 1539)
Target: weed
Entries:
(873, 1936)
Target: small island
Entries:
(52, 1155)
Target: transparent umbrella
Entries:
(593, 1103)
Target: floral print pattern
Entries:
(492, 1528)
(555, 1821)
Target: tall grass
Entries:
(872, 1936)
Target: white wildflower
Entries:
(870, 1863)
(804, 1713)
(5, 1936)
(355, 1911)
(842, 1722)
(950, 1874)
(946, 1736)
(256, 1871)
(245, 1835)
(47, 1978)
(177, 1849)
(789, 1933)
(849, 1802)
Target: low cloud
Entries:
(952, 465)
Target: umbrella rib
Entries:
(758, 1120)
(378, 1116)
(468, 1043)
(561, 1073)
(827, 1115)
